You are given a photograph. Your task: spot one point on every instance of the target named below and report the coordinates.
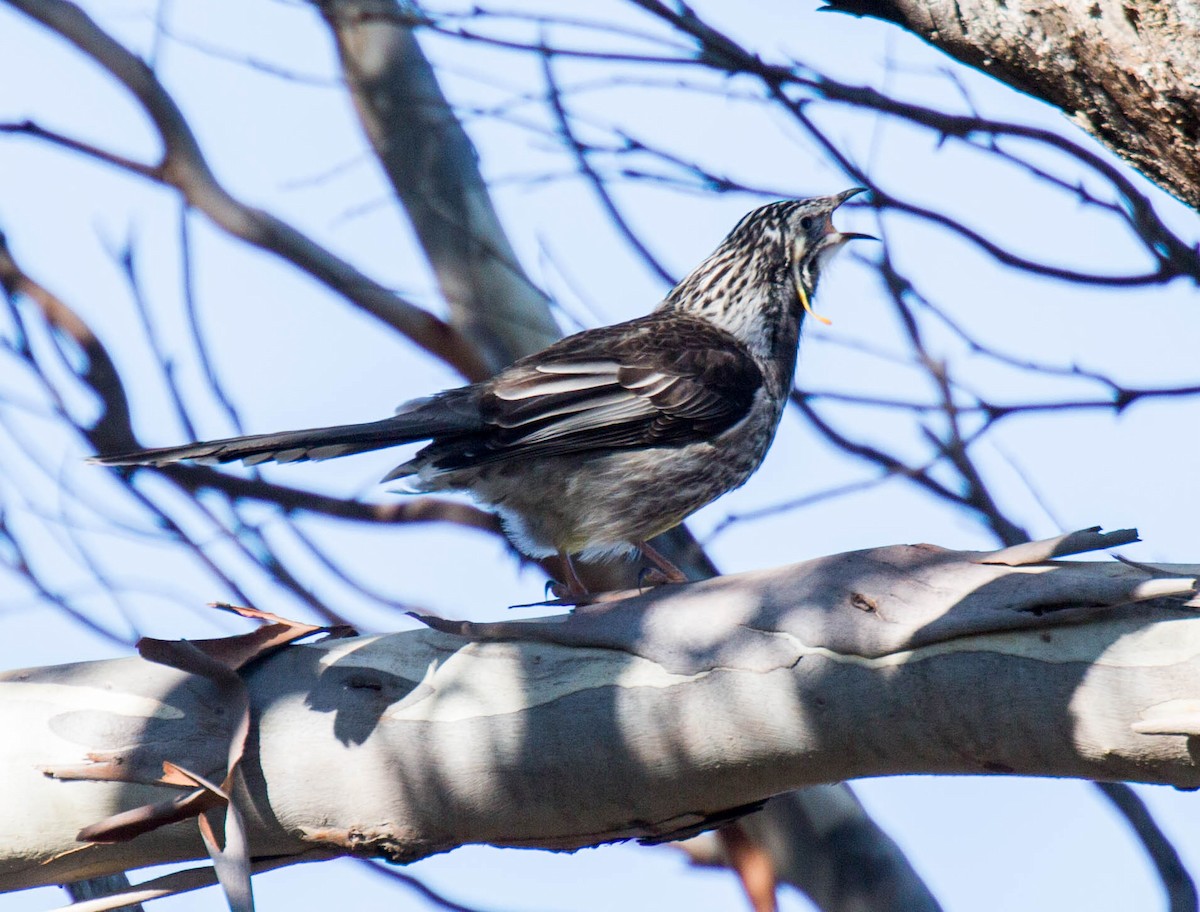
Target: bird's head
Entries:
(814, 240)
(759, 283)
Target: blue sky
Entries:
(291, 355)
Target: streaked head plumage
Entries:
(756, 282)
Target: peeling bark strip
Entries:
(642, 718)
(1123, 70)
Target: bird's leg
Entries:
(571, 588)
(670, 573)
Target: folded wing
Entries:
(662, 380)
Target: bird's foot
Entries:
(651, 577)
(663, 570)
(572, 591)
(563, 594)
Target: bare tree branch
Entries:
(1181, 890)
(195, 478)
(184, 167)
(580, 152)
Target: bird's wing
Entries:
(661, 380)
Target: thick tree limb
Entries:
(648, 718)
(1123, 71)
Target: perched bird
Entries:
(616, 434)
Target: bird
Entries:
(611, 436)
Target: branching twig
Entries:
(580, 153)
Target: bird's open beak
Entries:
(843, 236)
(846, 194)
(826, 247)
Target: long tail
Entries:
(419, 423)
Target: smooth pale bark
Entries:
(648, 718)
(1124, 70)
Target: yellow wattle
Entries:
(808, 307)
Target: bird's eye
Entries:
(806, 222)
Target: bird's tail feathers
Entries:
(294, 446)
